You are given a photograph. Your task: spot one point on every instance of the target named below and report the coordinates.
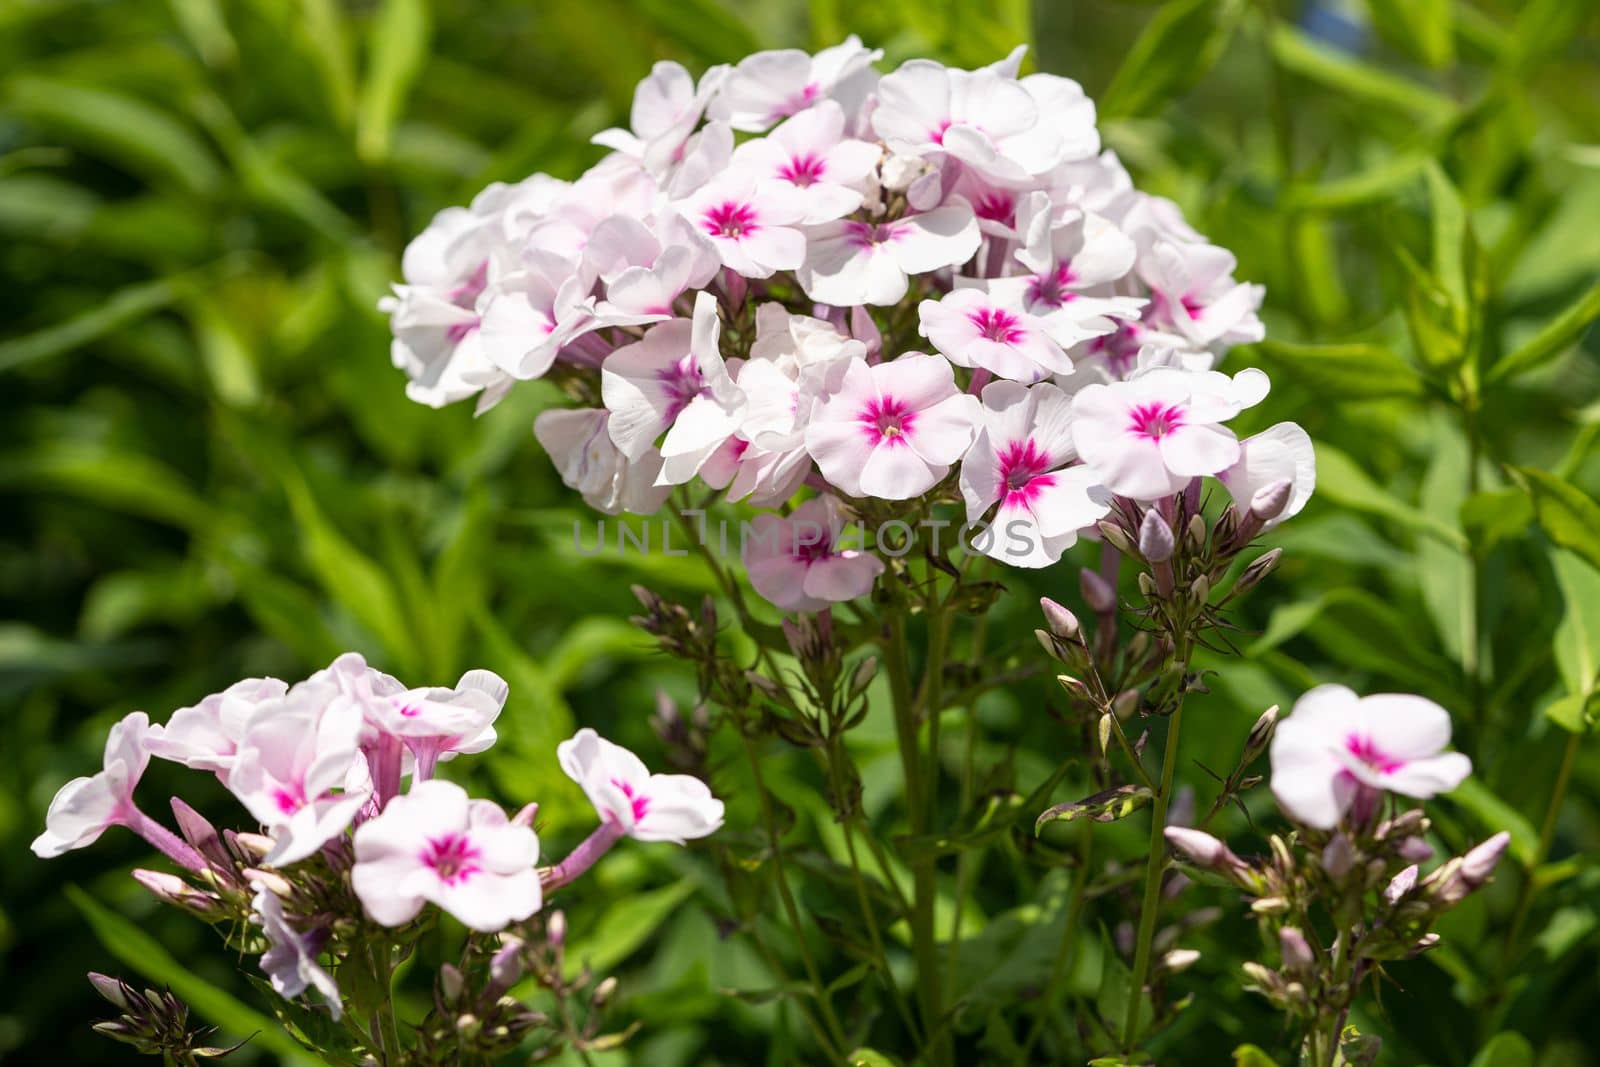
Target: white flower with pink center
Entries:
(849, 262)
(643, 274)
(768, 87)
(1019, 466)
(579, 443)
(437, 723)
(1338, 748)
(1193, 294)
(1148, 437)
(1072, 258)
(644, 806)
(811, 156)
(435, 845)
(530, 314)
(85, 807)
(293, 766)
(673, 382)
(750, 223)
(975, 329)
(797, 562)
(892, 430)
(982, 118)
(667, 106)
(206, 737)
(1280, 453)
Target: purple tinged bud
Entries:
(556, 928)
(1415, 849)
(114, 990)
(1116, 536)
(1400, 885)
(1062, 623)
(1097, 592)
(505, 966)
(1179, 959)
(1155, 538)
(1297, 954)
(1338, 857)
(603, 992)
(1424, 943)
(450, 982)
(1479, 864)
(1200, 848)
(1268, 502)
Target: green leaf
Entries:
(138, 949)
(1353, 371)
(1446, 574)
(706, 28)
(1567, 514)
(203, 22)
(1505, 1049)
(1494, 814)
(350, 577)
(1173, 52)
(1560, 333)
(122, 128)
(120, 309)
(396, 51)
(1359, 630)
(120, 480)
(1577, 637)
(1356, 190)
(626, 924)
(866, 1057)
(1495, 515)
(1361, 82)
(1252, 1056)
(1106, 806)
(1423, 29)
(1342, 481)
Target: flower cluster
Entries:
(894, 289)
(347, 844)
(1352, 864)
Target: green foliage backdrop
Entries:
(209, 470)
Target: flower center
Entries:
(466, 294)
(996, 207)
(1155, 420)
(453, 857)
(995, 324)
(640, 804)
(804, 170)
(1364, 749)
(290, 798)
(887, 420)
(681, 382)
(457, 333)
(730, 219)
(866, 235)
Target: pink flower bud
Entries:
(1400, 885)
(1415, 849)
(1179, 959)
(1296, 950)
(1269, 501)
(1062, 623)
(1155, 538)
(1097, 592)
(1479, 864)
(1338, 857)
(1200, 848)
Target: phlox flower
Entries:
(1193, 294)
(643, 279)
(849, 262)
(434, 844)
(768, 87)
(673, 381)
(578, 441)
(438, 346)
(84, 807)
(437, 723)
(1148, 437)
(796, 563)
(645, 806)
(1277, 454)
(1336, 745)
(892, 430)
(667, 106)
(293, 767)
(810, 155)
(976, 329)
(1071, 258)
(291, 961)
(982, 118)
(1020, 462)
(532, 312)
(750, 223)
(206, 736)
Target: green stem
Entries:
(1547, 833)
(924, 946)
(877, 936)
(1156, 865)
(835, 1030)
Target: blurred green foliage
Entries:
(210, 470)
